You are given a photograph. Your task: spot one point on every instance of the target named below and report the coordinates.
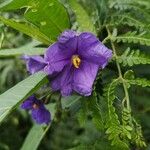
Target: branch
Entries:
(119, 70)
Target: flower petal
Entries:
(41, 115)
(84, 77)
(63, 81)
(27, 104)
(56, 59)
(68, 41)
(91, 49)
(34, 63)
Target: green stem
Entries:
(1, 40)
(59, 109)
(119, 70)
(107, 38)
(59, 105)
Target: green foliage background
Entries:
(117, 115)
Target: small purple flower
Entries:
(39, 113)
(75, 59)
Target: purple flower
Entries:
(39, 113)
(34, 63)
(76, 59)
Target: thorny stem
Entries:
(119, 70)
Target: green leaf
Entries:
(21, 51)
(89, 105)
(133, 57)
(27, 29)
(73, 103)
(97, 113)
(133, 37)
(82, 17)
(102, 10)
(113, 124)
(127, 4)
(82, 116)
(129, 75)
(70, 100)
(34, 137)
(11, 99)
(138, 136)
(28, 49)
(139, 81)
(13, 4)
(129, 20)
(37, 133)
(49, 16)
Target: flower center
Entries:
(76, 61)
(35, 106)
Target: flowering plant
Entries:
(80, 65)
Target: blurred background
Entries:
(68, 132)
